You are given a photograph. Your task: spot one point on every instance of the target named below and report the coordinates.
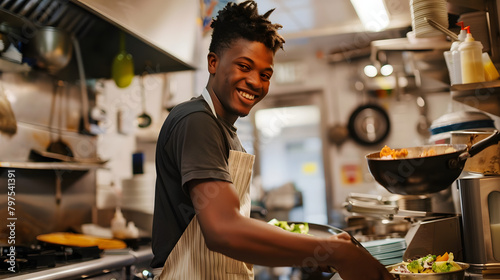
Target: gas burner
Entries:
(45, 256)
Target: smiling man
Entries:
(201, 226)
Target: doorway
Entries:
(289, 144)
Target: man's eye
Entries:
(244, 67)
(266, 77)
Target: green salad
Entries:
(297, 228)
(429, 264)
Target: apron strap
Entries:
(208, 99)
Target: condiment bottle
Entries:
(463, 33)
(118, 225)
(471, 59)
(452, 57)
(490, 71)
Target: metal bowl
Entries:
(52, 48)
(454, 275)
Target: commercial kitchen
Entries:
(85, 86)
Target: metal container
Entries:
(486, 161)
(480, 203)
(454, 275)
(52, 47)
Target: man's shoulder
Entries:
(195, 104)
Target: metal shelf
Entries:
(484, 96)
(51, 165)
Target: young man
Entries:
(201, 227)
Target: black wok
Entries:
(424, 175)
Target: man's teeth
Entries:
(246, 95)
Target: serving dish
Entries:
(453, 275)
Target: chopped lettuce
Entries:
(429, 264)
(415, 266)
(297, 228)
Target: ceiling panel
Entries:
(313, 18)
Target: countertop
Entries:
(109, 260)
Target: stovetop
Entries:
(49, 261)
(31, 258)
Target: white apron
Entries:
(191, 259)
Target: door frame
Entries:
(303, 98)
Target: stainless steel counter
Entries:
(109, 261)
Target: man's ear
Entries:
(212, 60)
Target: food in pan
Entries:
(429, 264)
(298, 228)
(389, 153)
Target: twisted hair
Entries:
(242, 20)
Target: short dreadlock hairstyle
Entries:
(242, 21)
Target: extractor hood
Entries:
(97, 25)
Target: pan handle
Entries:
(483, 144)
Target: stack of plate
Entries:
(386, 251)
(432, 9)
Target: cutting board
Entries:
(81, 240)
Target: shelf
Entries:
(51, 165)
(484, 96)
(403, 44)
(13, 67)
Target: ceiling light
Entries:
(370, 71)
(386, 70)
(372, 14)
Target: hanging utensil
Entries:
(59, 146)
(52, 48)
(83, 87)
(122, 69)
(143, 120)
(8, 123)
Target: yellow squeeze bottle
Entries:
(490, 71)
(471, 60)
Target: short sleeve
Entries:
(199, 149)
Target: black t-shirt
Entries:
(193, 144)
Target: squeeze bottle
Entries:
(490, 71)
(471, 59)
(452, 57)
(118, 224)
(463, 33)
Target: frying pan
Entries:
(425, 175)
(325, 231)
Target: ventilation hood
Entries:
(159, 37)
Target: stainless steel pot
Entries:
(52, 48)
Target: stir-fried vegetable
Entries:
(429, 264)
(298, 228)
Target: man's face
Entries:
(241, 77)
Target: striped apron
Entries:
(191, 259)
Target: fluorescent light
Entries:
(372, 14)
